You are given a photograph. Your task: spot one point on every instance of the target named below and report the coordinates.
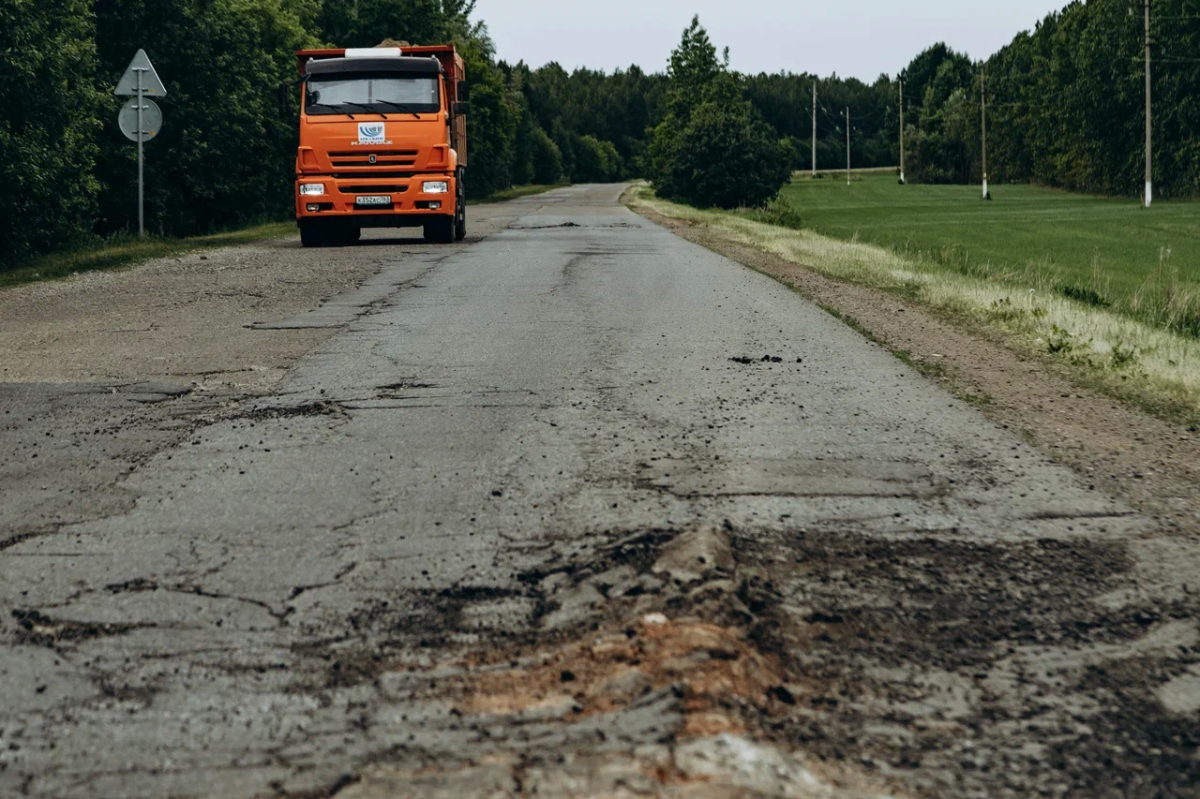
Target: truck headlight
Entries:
(312, 189)
(435, 187)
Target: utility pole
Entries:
(901, 131)
(983, 110)
(1149, 121)
(814, 117)
(847, 146)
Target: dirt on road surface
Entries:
(576, 508)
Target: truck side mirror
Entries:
(462, 109)
(464, 91)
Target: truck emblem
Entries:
(370, 133)
(370, 159)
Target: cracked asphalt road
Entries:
(577, 509)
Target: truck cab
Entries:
(382, 143)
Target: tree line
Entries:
(1066, 103)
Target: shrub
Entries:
(1085, 295)
(778, 212)
(546, 159)
(595, 161)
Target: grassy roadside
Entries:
(127, 251)
(1124, 356)
(517, 192)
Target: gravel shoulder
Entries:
(202, 320)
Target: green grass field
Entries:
(1100, 250)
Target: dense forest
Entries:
(1065, 109)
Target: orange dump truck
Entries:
(383, 143)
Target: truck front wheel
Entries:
(440, 230)
(460, 216)
(313, 233)
(328, 233)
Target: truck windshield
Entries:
(386, 93)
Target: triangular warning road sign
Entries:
(151, 85)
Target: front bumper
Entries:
(409, 204)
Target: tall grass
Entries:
(1156, 363)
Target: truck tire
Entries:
(313, 233)
(460, 216)
(440, 231)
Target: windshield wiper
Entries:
(399, 108)
(331, 105)
(366, 108)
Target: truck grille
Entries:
(377, 189)
(390, 158)
(366, 173)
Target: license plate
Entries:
(373, 199)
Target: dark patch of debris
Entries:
(747, 361)
(39, 629)
(319, 408)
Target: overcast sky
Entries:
(858, 38)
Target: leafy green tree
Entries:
(614, 165)
(547, 161)
(595, 161)
(492, 124)
(48, 126)
(365, 23)
(713, 148)
(693, 69)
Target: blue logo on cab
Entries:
(370, 133)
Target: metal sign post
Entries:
(140, 80)
(141, 162)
